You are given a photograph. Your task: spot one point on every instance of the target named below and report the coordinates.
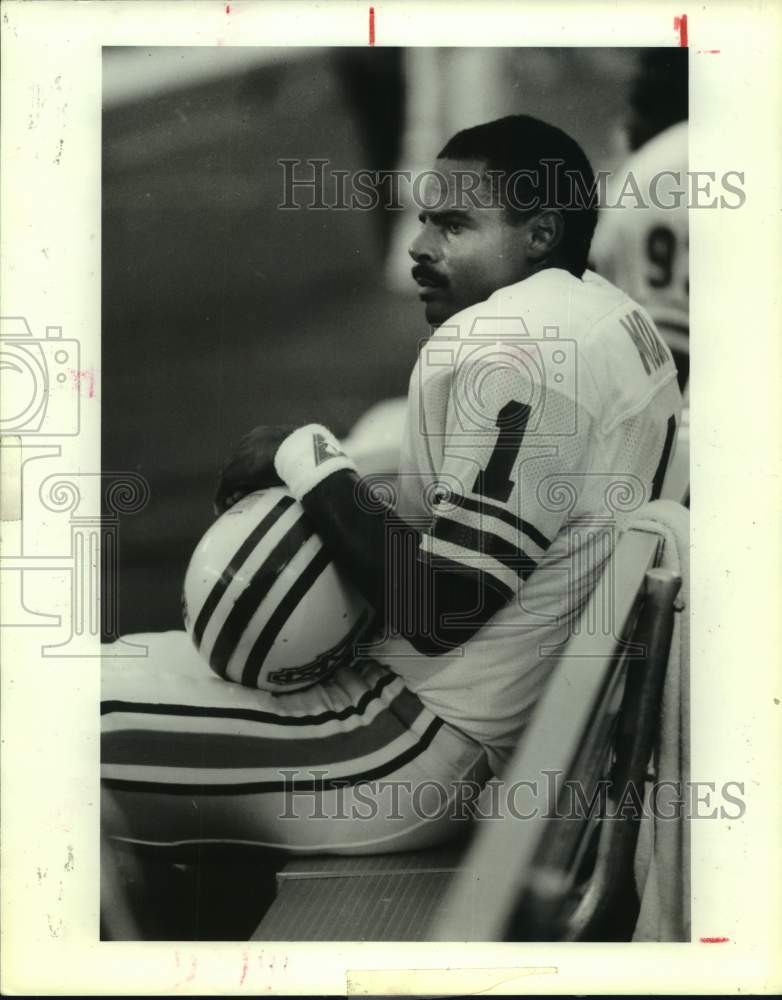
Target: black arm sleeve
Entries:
(379, 553)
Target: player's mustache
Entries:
(425, 274)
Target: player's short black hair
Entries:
(565, 177)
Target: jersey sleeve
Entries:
(515, 428)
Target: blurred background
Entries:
(221, 311)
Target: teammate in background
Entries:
(541, 413)
(645, 250)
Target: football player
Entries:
(541, 413)
(643, 248)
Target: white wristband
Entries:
(307, 456)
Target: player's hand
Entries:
(251, 467)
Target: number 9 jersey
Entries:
(642, 238)
(537, 423)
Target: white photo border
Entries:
(51, 266)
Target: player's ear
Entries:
(545, 232)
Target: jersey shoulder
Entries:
(552, 327)
(628, 359)
(581, 338)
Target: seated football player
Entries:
(541, 413)
(642, 246)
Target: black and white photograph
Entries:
(384, 578)
(409, 392)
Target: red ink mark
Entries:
(193, 966)
(244, 968)
(371, 25)
(87, 376)
(708, 52)
(228, 8)
(680, 25)
(714, 940)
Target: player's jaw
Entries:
(434, 292)
(446, 291)
(437, 308)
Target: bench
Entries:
(388, 897)
(560, 879)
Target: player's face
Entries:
(466, 248)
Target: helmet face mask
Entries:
(263, 602)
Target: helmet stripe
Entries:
(250, 599)
(213, 599)
(281, 614)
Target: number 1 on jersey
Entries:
(494, 481)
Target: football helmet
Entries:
(264, 603)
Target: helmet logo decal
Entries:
(324, 450)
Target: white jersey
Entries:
(537, 421)
(644, 250)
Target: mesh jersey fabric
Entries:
(537, 422)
